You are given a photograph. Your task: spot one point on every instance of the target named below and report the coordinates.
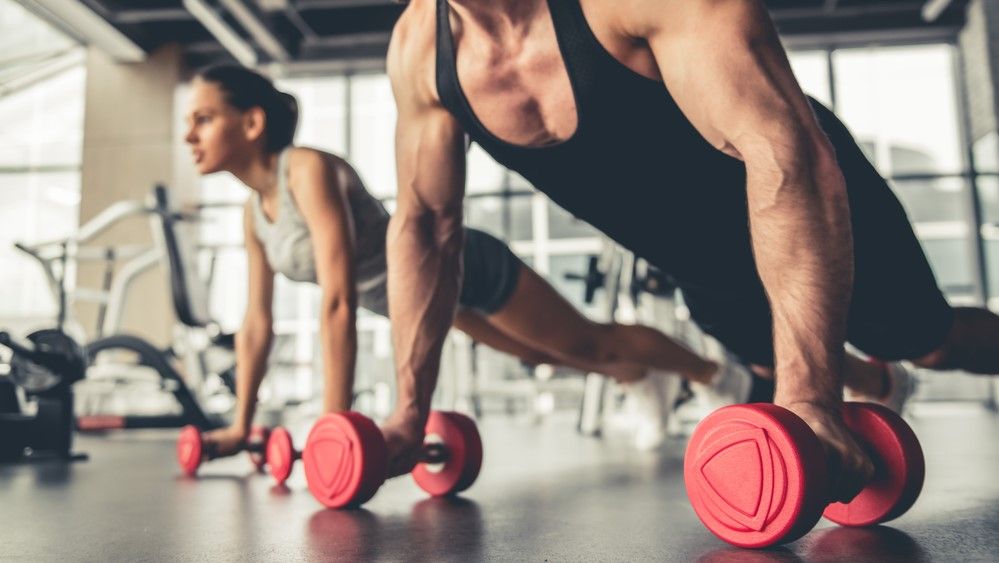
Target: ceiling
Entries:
(316, 34)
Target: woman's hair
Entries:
(244, 89)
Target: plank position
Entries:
(678, 129)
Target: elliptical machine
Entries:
(44, 367)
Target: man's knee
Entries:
(972, 343)
(937, 359)
(763, 372)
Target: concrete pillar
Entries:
(130, 143)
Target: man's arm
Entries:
(425, 239)
(724, 65)
(319, 193)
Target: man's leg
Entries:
(898, 311)
(865, 378)
(972, 344)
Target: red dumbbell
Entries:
(346, 458)
(281, 454)
(756, 474)
(191, 450)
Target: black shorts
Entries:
(898, 311)
(491, 272)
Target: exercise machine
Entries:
(117, 361)
(36, 396)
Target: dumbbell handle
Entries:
(210, 450)
(434, 453)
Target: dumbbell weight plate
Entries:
(755, 475)
(474, 443)
(899, 464)
(280, 454)
(189, 449)
(460, 438)
(345, 459)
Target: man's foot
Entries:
(730, 385)
(899, 385)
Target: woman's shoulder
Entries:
(312, 163)
(303, 158)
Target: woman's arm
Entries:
(253, 341)
(320, 194)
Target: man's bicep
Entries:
(430, 161)
(725, 67)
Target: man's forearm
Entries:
(338, 340)
(803, 245)
(423, 286)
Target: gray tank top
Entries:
(288, 245)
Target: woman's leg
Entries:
(481, 330)
(537, 314)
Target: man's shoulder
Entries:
(412, 55)
(413, 37)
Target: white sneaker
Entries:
(730, 386)
(901, 386)
(653, 397)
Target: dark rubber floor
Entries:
(545, 493)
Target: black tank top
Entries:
(635, 168)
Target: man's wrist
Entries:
(809, 386)
(810, 401)
(409, 415)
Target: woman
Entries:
(310, 218)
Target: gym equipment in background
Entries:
(119, 362)
(44, 368)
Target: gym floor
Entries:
(545, 494)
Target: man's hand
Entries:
(226, 441)
(404, 438)
(850, 467)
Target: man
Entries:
(677, 128)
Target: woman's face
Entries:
(216, 131)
